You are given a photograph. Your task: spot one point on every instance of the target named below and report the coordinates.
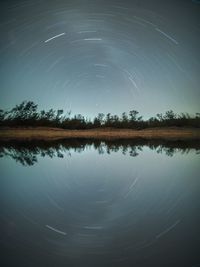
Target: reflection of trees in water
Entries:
(27, 153)
(23, 156)
(170, 151)
(29, 156)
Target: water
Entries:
(100, 204)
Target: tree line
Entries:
(27, 114)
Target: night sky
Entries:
(93, 56)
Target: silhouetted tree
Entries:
(170, 115)
(159, 116)
(2, 116)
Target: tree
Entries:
(50, 114)
(197, 115)
(124, 117)
(170, 115)
(159, 116)
(108, 119)
(100, 117)
(115, 120)
(133, 114)
(23, 114)
(2, 115)
(58, 118)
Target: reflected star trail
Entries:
(91, 56)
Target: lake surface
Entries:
(100, 204)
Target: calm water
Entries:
(94, 205)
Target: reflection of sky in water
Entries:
(102, 210)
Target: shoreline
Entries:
(48, 134)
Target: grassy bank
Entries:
(42, 133)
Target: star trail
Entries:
(91, 56)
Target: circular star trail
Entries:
(101, 56)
